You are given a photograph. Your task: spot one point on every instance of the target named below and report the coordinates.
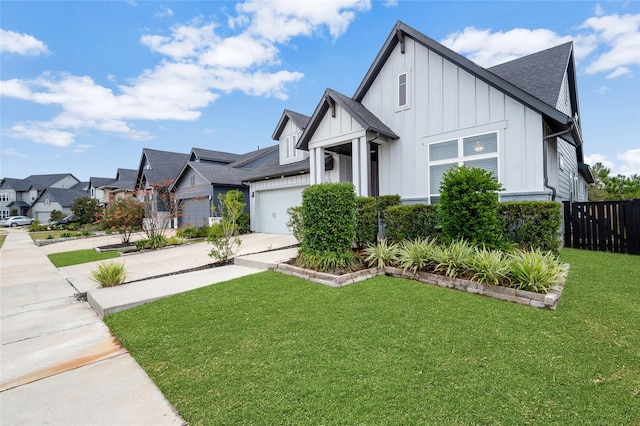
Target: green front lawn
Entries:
(76, 257)
(274, 349)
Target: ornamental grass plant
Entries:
(530, 270)
(109, 274)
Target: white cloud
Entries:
(621, 35)
(630, 162)
(14, 153)
(164, 12)
(598, 10)
(198, 66)
(41, 133)
(618, 72)
(21, 44)
(616, 39)
(488, 48)
(390, 3)
(81, 148)
(603, 90)
(592, 160)
(280, 20)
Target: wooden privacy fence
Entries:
(603, 225)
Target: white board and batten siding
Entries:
(447, 102)
(270, 199)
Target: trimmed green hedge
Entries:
(411, 221)
(366, 221)
(526, 224)
(532, 224)
(328, 217)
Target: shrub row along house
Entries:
(420, 109)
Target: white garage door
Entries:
(272, 208)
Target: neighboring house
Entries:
(16, 197)
(121, 187)
(21, 194)
(157, 171)
(96, 190)
(421, 109)
(60, 199)
(210, 173)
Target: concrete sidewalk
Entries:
(59, 363)
(57, 351)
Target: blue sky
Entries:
(86, 85)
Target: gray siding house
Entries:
(210, 173)
(422, 108)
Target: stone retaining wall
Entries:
(536, 300)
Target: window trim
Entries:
(406, 86)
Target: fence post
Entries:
(632, 219)
(568, 231)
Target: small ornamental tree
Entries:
(86, 210)
(56, 215)
(469, 206)
(224, 238)
(124, 216)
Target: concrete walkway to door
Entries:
(59, 364)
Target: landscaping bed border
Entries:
(522, 297)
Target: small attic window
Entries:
(402, 91)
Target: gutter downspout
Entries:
(544, 158)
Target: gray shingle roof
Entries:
(63, 196)
(359, 112)
(273, 168)
(97, 182)
(300, 120)
(255, 159)
(165, 165)
(18, 185)
(44, 181)
(540, 74)
(220, 174)
(209, 155)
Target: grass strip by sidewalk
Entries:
(76, 257)
(273, 349)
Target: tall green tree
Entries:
(611, 188)
(86, 210)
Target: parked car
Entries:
(63, 221)
(16, 221)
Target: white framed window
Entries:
(192, 180)
(47, 202)
(290, 143)
(402, 99)
(479, 151)
(287, 147)
(4, 214)
(4, 196)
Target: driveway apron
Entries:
(59, 363)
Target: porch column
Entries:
(364, 166)
(355, 165)
(312, 166)
(319, 165)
